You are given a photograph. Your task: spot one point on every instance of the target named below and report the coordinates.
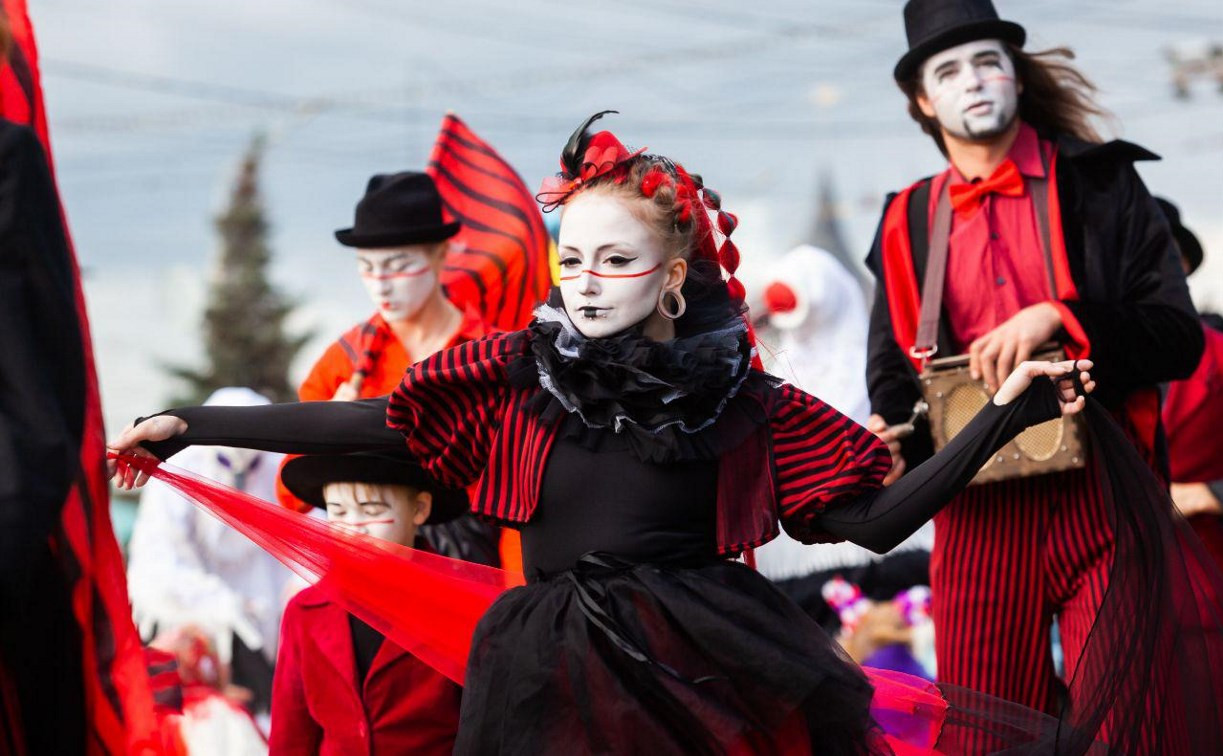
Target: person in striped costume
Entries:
(629, 437)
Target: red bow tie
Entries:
(1006, 180)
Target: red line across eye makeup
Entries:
(611, 275)
(402, 274)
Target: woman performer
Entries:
(629, 438)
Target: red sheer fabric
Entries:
(428, 604)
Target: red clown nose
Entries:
(779, 298)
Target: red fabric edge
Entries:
(899, 278)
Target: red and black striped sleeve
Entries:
(820, 457)
(448, 407)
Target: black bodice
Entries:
(609, 500)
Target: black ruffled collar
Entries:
(673, 400)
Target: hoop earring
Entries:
(681, 305)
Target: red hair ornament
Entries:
(604, 154)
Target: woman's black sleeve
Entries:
(881, 519)
(290, 428)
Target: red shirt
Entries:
(319, 706)
(995, 264)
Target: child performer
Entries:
(340, 686)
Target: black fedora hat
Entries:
(306, 476)
(398, 208)
(1190, 247)
(935, 25)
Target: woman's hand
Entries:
(1062, 375)
(157, 428)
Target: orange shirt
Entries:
(387, 360)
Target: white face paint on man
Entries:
(392, 513)
(613, 266)
(971, 90)
(399, 280)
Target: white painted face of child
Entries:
(392, 513)
(399, 280)
(613, 266)
(971, 90)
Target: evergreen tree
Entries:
(244, 334)
(827, 233)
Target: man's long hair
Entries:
(1056, 99)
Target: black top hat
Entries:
(1191, 248)
(398, 208)
(306, 476)
(935, 25)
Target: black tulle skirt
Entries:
(618, 658)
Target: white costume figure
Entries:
(821, 318)
(186, 567)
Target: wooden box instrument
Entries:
(953, 398)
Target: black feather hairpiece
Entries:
(575, 148)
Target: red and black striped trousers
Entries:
(1008, 557)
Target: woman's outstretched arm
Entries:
(291, 428)
(881, 519)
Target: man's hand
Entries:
(888, 434)
(346, 391)
(1195, 499)
(993, 356)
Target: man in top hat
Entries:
(400, 239)
(1046, 234)
(1193, 414)
(340, 685)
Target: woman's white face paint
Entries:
(391, 513)
(613, 266)
(399, 280)
(972, 89)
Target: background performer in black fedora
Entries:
(1050, 236)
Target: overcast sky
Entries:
(151, 103)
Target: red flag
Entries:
(500, 265)
(119, 705)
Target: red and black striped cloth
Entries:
(461, 415)
(500, 263)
